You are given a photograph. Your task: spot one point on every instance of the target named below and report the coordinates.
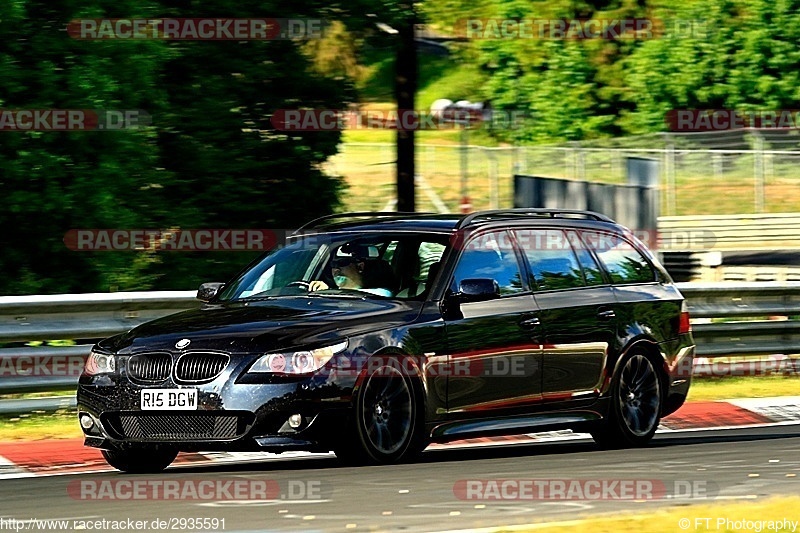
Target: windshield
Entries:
(342, 265)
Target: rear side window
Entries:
(490, 255)
(621, 260)
(551, 258)
(591, 270)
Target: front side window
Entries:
(492, 256)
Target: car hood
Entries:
(265, 325)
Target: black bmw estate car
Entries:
(373, 335)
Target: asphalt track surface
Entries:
(723, 465)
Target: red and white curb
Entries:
(69, 456)
(784, 409)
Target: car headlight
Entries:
(99, 363)
(300, 362)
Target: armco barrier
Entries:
(82, 318)
(773, 231)
(759, 319)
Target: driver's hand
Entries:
(317, 286)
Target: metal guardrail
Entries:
(762, 318)
(37, 405)
(83, 318)
(774, 231)
(766, 320)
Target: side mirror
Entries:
(208, 291)
(478, 290)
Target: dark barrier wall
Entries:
(634, 206)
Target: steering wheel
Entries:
(299, 283)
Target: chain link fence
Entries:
(742, 171)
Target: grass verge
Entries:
(40, 426)
(707, 389)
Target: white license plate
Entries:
(169, 399)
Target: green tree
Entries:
(211, 159)
(717, 54)
(51, 182)
(737, 55)
(233, 170)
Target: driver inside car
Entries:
(350, 272)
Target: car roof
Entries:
(450, 223)
(421, 223)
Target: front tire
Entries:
(140, 460)
(636, 402)
(386, 426)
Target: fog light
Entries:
(295, 421)
(86, 422)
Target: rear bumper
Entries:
(679, 375)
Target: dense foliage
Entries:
(206, 161)
(202, 164)
(709, 54)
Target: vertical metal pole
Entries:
(515, 164)
(672, 206)
(575, 156)
(758, 173)
(405, 88)
(466, 204)
(494, 192)
(568, 163)
(516, 169)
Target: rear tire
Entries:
(386, 426)
(140, 460)
(635, 405)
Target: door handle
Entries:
(606, 314)
(530, 323)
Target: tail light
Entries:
(684, 326)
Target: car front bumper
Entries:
(233, 413)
